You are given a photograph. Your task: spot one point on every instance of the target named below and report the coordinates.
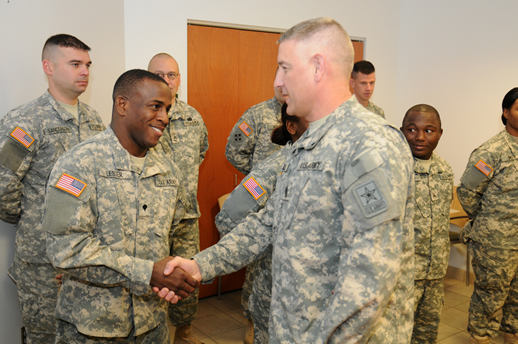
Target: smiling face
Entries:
(146, 116)
(68, 70)
(423, 131)
(511, 115)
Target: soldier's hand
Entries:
(178, 282)
(190, 266)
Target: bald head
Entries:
(165, 66)
(327, 37)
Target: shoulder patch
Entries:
(71, 185)
(483, 167)
(254, 188)
(370, 199)
(21, 136)
(245, 128)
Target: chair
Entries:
(221, 200)
(459, 218)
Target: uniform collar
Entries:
(64, 114)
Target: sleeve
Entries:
(17, 149)
(475, 180)
(241, 142)
(379, 246)
(244, 244)
(72, 244)
(204, 142)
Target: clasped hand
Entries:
(173, 279)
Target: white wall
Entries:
(459, 57)
(24, 27)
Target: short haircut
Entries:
(132, 79)
(330, 34)
(364, 67)
(64, 41)
(508, 102)
(280, 135)
(423, 108)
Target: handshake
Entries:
(175, 278)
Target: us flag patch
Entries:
(70, 184)
(245, 128)
(21, 136)
(254, 188)
(483, 167)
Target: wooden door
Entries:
(229, 71)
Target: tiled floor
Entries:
(222, 321)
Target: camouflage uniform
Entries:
(32, 137)
(250, 139)
(106, 233)
(375, 109)
(240, 203)
(340, 222)
(433, 197)
(488, 193)
(185, 141)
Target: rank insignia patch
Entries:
(483, 167)
(254, 188)
(70, 184)
(245, 128)
(21, 136)
(370, 199)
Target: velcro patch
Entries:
(311, 166)
(56, 130)
(370, 199)
(245, 128)
(191, 122)
(161, 182)
(483, 167)
(254, 188)
(97, 127)
(21, 136)
(71, 185)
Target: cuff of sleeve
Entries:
(208, 273)
(140, 275)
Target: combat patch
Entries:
(245, 128)
(483, 167)
(254, 188)
(370, 199)
(56, 130)
(71, 185)
(311, 166)
(21, 136)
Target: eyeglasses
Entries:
(171, 75)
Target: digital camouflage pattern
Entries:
(185, 141)
(488, 193)
(495, 287)
(245, 151)
(107, 238)
(375, 109)
(490, 199)
(428, 302)
(239, 204)
(433, 197)
(340, 221)
(47, 131)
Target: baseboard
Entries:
(459, 274)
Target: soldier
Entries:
(433, 196)
(249, 141)
(488, 193)
(32, 137)
(185, 141)
(111, 203)
(340, 218)
(250, 197)
(363, 78)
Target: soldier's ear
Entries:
(121, 105)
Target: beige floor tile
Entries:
(231, 337)
(455, 318)
(448, 282)
(462, 289)
(238, 315)
(205, 309)
(452, 299)
(446, 331)
(216, 324)
(459, 338)
(463, 307)
(229, 301)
